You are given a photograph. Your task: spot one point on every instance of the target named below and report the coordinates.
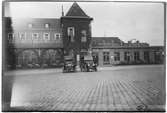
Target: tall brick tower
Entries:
(76, 31)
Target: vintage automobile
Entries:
(88, 64)
(69, 64)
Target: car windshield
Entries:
(89, 61)
(69, 62)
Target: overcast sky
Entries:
(141, 21)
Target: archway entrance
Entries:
(27, 59)
(52, 58)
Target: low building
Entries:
(113, 51)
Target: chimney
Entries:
(62, 10)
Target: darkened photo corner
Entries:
(83, 56)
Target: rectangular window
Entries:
(83, 37)
(146, 56)
(136, 56)
(95, 57)
(127, 56)
(35, 36)
(116, 56)
(106, 59)
(10, 37)
(71, 34)
(22, 36)
(46, 36)
(46, 25)
(157, 56)
(57, 36)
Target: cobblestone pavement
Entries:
(122, 88)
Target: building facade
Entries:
(76, 30)
(113, 51)
(42, 43)
(34, 43)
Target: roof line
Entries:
(76, 10)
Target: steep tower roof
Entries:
(75, 10)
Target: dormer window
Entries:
(29, 25)
(46, 25)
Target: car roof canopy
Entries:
(68, 57)
(88, 58)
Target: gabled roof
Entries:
(75, 10)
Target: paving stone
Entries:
(113, 90)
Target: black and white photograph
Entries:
(83, 56)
